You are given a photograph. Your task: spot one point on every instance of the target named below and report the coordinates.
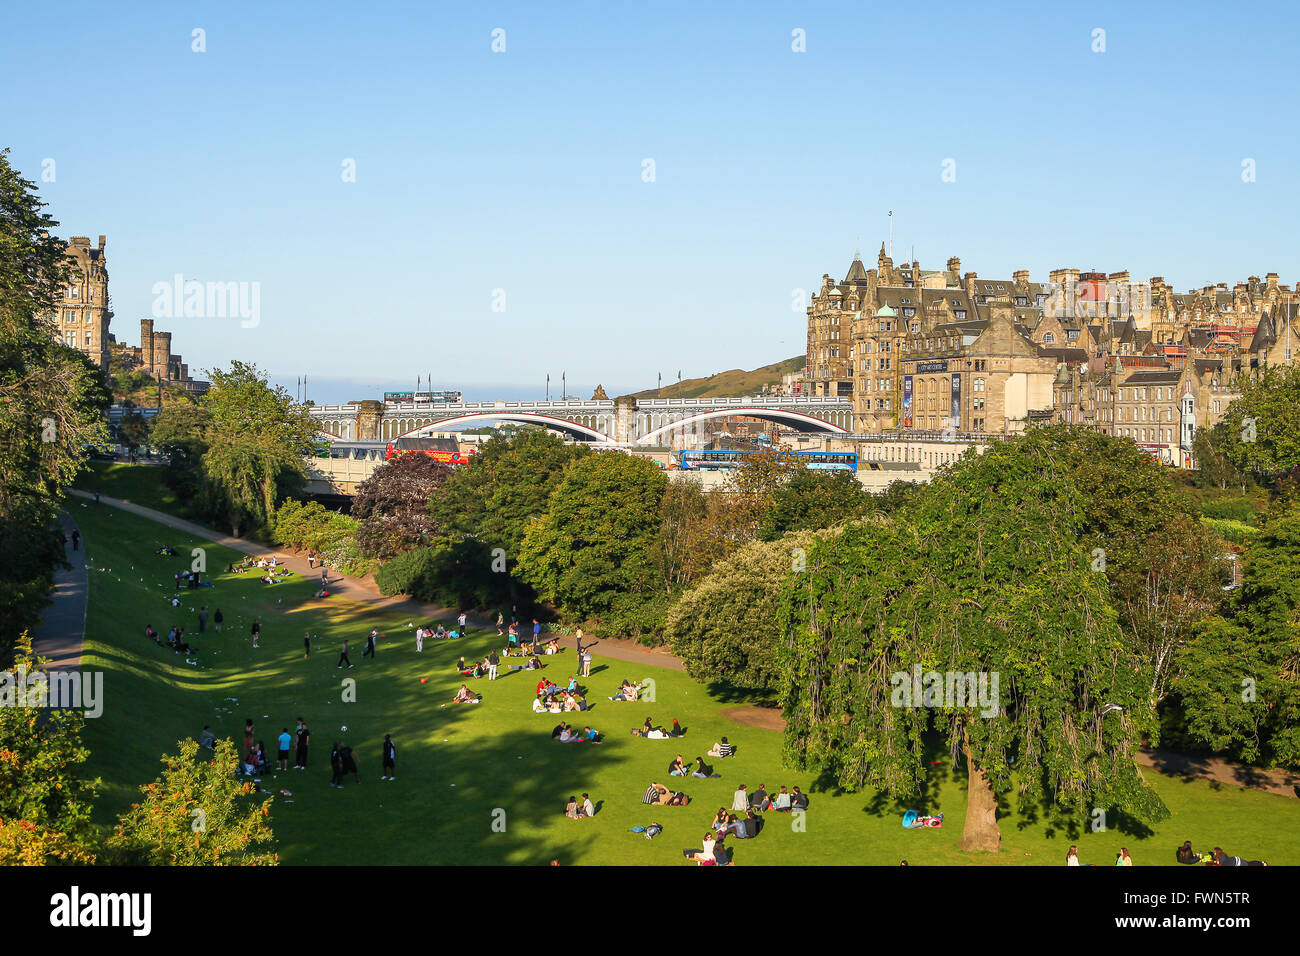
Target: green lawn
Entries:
(138, 484)
(459, 764)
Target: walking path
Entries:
(63, 632)
(364, 590)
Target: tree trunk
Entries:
(981, 833)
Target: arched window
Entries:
(1048, 338)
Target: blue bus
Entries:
(693, 460)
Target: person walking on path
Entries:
(203, 619)
(306, 643)
(460, 623)
(343, 658)
(217, 619)
(76, 539)
(304, 738)
(370, 644)
(501, 618)
(537, 631)
(285, 740)
(390, 758)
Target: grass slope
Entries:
(733, 383)
(465, 768)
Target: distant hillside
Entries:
(733, 383)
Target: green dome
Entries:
(886, 311)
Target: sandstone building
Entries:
(82, 317)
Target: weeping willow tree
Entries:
(973, 612)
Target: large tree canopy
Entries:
(980, 573)
(51, 404)
(595, 541)
(1240, 683)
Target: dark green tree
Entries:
(595, 541)
(980, 573)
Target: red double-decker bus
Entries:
(444, 450)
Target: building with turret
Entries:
(82, 317)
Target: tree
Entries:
(51, 403)
(980, 573)
(1214, 469)
(1240, 683)
(1261, 428)
(595, 541)
(811, 499)
(393, 504)
(257, 439)
(506, 486)
(132, 431)
(41, 754)
(197, 813)
(682, 513)
(723, 627)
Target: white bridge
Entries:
(645, 421)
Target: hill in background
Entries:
(733, 383)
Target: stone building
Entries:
(82, 317)
(154, 355)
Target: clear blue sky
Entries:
(522, 171)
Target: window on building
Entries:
(978, 385)
(1049, 338)
(960, 313)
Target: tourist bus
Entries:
(448, 396)
(444, 450)
(695, 460)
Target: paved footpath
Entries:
(362, 590)
(62, 630)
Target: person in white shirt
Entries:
(740, 800)
(1072, 857)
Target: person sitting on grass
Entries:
(538, 706)
(552, 647)
(591, 736)
(207, 738)
(533, 664)
(465, 696)
(676, 768)
(798, 801)
(759, 800)
(573, 809)
(627, 691)
(1186, 854)
(703, 770)
(748, 826)
(150, 633)
(719, 819)
(659, 795)
(722, 749)
(781, 802)
(559, 728)
(703, 857)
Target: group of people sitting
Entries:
(628, 691)
(567, 735)
(191, 579)
(553, 699)
(466, 696)
(783, 801)
(677, 768)
(650, 731)
(434, 633)
(1215, 857)
(743, 826)
(175, 639)
(576, 810)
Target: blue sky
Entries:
(522, 171)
